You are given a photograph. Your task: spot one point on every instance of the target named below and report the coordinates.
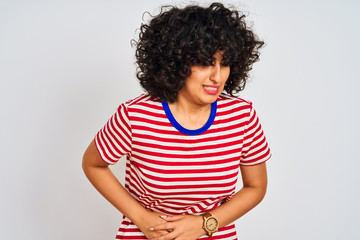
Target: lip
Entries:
(210, 89)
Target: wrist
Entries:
(210, 223)
(140, 216)
(200, 223)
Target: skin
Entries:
(190, 227)
(102, 178)
(191, 110)
(193, 104)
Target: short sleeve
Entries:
(255, 147)
(114, 140)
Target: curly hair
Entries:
(177, 39)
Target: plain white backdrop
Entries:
(66, 65)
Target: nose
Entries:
(215, 72)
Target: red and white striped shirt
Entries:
(173, 170)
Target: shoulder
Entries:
(140, 100)
(228, 101)
(143, 102)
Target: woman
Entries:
(185, 139)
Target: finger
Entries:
(172, 218)
(169, 236)
(164, 226)
(156, 234)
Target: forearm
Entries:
(254, 189)
(102, 178)
(242, 202)
(190, 226)
(108, 185)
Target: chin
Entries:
(209, 99)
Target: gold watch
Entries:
(211, 224)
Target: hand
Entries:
(148, 220)
(180, 227)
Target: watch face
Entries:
(211, 224)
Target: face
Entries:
(205, 83)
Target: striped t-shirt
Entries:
(173, 170)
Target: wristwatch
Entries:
(211, 224)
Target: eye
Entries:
(226, 62)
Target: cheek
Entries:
(225, 74)
(192, 84)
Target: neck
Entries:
(186, 107)
(189, 114)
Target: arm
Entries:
(253, 191)
(101, 177)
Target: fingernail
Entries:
(163, 216)
(151, 229)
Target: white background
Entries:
(66, 65)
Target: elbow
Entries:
(84, 163)
(262, 190)
(87, 160)
(91, 159)
(258, 191)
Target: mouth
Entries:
(213, 90)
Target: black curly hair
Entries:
(177, 39)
